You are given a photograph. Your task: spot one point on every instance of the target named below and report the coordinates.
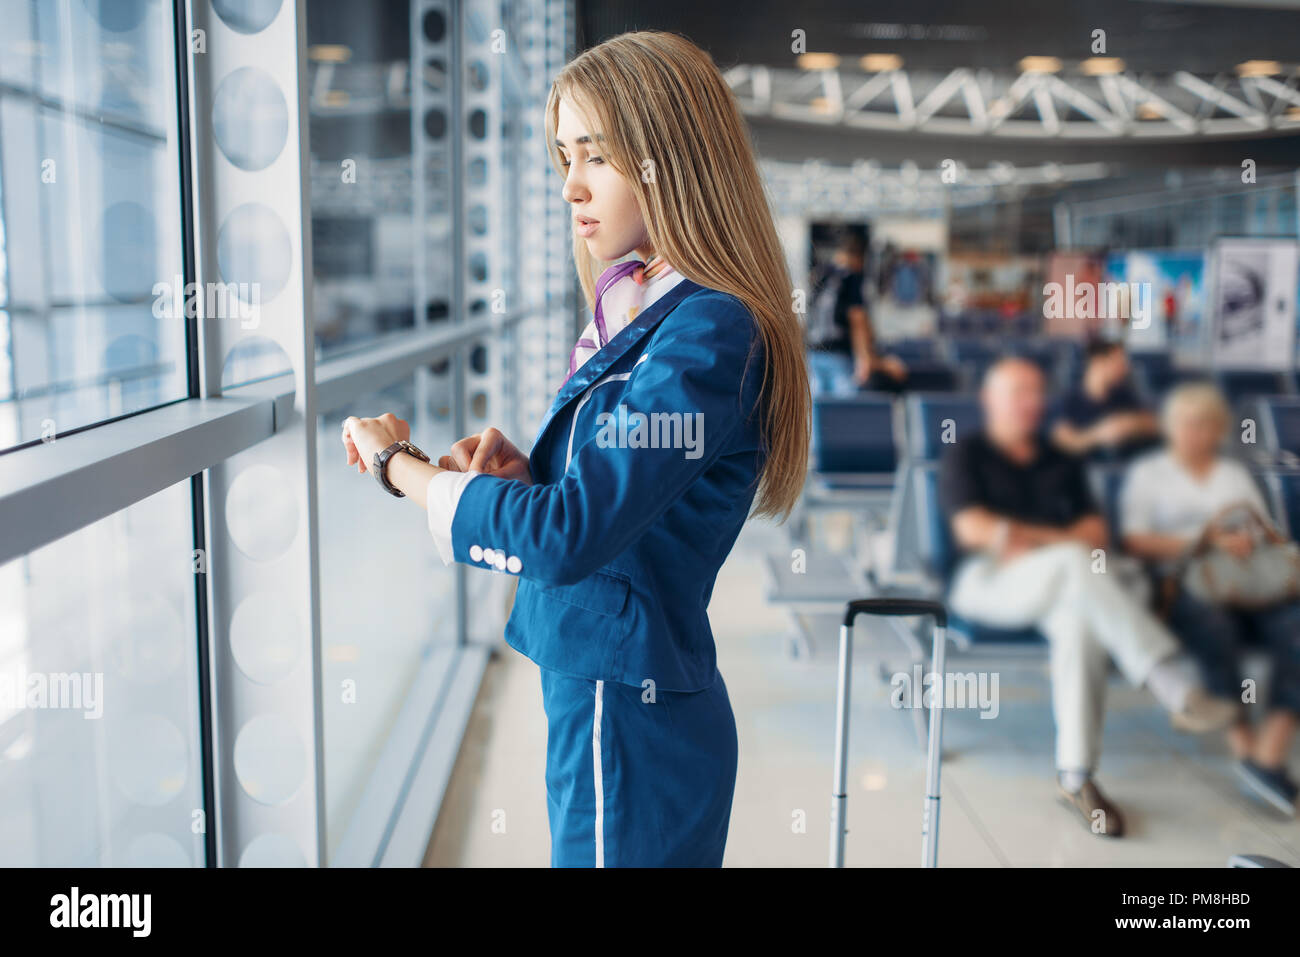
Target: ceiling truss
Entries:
(1027, 105)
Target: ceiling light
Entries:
(881, 62)
(817, 61)
(1150, 110)
(1102, 66)
(330, 53)
(1259, 68)
(1040, 64)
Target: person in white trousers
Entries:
(1035, 555)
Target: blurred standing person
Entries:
(842, 352)
(1022, 512)
(1174, 507)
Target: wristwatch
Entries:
(380, 465)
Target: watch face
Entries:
(414, 451)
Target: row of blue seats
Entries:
(865, 434)
(990, 322)
(867, 444)
(960, 364)
(957, 364)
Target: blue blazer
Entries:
(620, 538)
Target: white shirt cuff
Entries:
(442, 496)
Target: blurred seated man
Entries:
(1024, 517)
(1176, 504)
(842, 352)
(1103, 415)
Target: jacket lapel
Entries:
(613, 350)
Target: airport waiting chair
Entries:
(1146, 362)
(967, 349)
(1155, 381)
(1067, 362)
(931, 376)
(1284, 494)
(911, 350)
(928, 416)
(854, 441)
(1278, 427)
(1243, 384)
(855, 461)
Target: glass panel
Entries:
(363, 192)
(99, 719)
(373, 544)
(90, 239)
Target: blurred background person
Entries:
(1177, 504)
(841, 342)
(1024, 515)
(1103, 417)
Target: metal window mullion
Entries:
(456, 131)
(288, 828)
(198, 499)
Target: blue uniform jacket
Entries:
(618, 542)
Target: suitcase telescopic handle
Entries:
(895, 606)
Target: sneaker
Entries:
(1202, 713)
(1270, 785)
(1099, 815)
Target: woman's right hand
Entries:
(1238, 544)
(488, 452)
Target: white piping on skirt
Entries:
(598, 775)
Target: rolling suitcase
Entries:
(839, 794)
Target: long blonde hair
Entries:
(657, 97)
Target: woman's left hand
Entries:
(363, 438)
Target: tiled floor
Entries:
(999, 803)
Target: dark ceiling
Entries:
(1150, 36)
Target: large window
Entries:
(187, 674)
(99, 705)
(90, 241)
(372, 650)
(364, 182)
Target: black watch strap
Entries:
(380, 465)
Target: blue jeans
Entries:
(1215, 636)
(831, 373)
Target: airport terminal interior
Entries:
(228, 225)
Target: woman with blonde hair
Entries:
(1188, 504)
(686, 403)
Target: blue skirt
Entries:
(636, 778)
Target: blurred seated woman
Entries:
(1228, 577)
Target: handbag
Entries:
(1268, 576)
